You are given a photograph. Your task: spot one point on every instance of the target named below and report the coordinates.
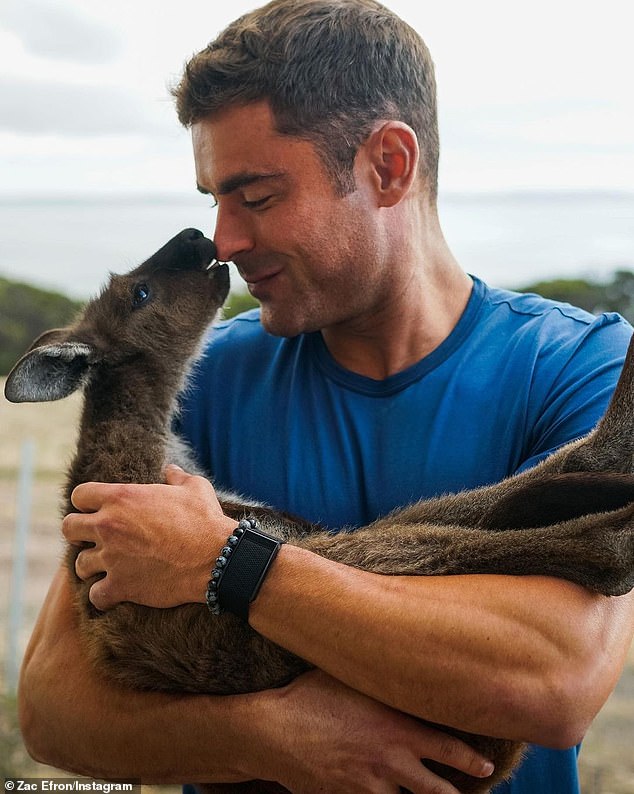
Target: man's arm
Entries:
(73, 719)
(545, 653)
(316, 731)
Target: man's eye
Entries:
(256, 203)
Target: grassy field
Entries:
(607, 759)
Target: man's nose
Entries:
(232, 234)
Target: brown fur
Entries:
(571, 517)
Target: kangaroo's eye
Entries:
(140, 295)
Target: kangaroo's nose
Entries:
(188, 250)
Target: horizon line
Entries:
(153, 197)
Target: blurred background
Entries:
(536, 192)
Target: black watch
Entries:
(240, 569)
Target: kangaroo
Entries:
(131, 350)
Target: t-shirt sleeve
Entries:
(579, 394)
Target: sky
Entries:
(531, 95)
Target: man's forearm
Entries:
(526, 658)
(300, 735)
(73, 719)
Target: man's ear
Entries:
(394, 157)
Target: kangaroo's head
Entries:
(152, 317)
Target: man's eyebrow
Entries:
(239, 181)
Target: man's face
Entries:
(309, 256)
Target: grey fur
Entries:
(133, 361)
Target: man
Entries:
(378, 373)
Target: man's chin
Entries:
(283, 322)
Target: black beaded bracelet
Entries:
(240, 569)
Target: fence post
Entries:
(16, 594)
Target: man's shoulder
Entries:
(532, 305)
(549, 323)
(552, 347)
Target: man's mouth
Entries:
(260, 283)
(253, 279)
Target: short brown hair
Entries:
(330, 69)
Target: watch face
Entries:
(240, 569)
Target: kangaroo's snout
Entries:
(188, 250)
(220, 277)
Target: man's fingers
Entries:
(99, 595)
(77, 530)
(174, 475)
(414, 776)
(90, 496)
(88, 564)
(453, 752)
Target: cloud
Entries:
(55, 31)
(40, 108)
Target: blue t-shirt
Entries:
(279, 420)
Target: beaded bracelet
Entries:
(240, 569)
(213, 587)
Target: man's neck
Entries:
(419, 316)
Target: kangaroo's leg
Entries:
(596, 551)
(560, 497)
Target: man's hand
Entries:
(313, 735)
(343, 741)
(155, 543)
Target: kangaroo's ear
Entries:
(52, 337)
(54, 367)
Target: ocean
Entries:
(509, 240)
